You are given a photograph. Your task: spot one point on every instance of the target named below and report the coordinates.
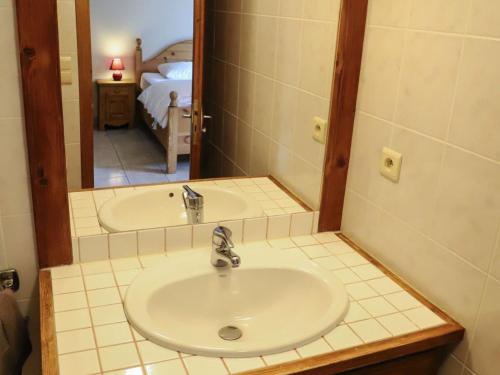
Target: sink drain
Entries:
(230, 333)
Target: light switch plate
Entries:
(66, 78)
(320, 130)
(65, 63)
(390, 164)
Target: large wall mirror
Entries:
(248, 105)
(266, 81)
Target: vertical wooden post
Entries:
(39, 54)
(343, 107)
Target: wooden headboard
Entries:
(182, 51)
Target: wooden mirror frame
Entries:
(39, 59)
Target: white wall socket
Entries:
(320, 129)
(390, 164)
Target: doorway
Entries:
(124, 139)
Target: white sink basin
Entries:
(164, 207)
(278, 299)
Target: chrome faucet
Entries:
(222, 255)
(193, 202)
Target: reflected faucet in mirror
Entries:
(222, 255)
(193, 202)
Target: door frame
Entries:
(84, 48)
(39, 59)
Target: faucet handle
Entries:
(224, 234)
(192, 199)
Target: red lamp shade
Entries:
(117, 65)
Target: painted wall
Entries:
(17, 244)
(272, 72)
(430, 90)
(116, 24)
(70, 95)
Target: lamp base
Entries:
(117, 76)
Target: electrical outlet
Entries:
(319, 130)
(390, 164)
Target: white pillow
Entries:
(177, 70)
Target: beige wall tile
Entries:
(476, 116)
(485, 350)
(259, 159)
(291, 8)
(263, 107)
(248, 52)
(303, 143)
(380, 68)
(322, 9)
(388, 12)
(232, 38)
(428, 82)
(483, 19)
(451, 366)
(267, 28)
(495, 268)
(15, 196)
(413, 198)
(438, 228)
(231, 81)
(468, 206)
(230, 135)
(318, 49)
(370, 136)
(246, 96)
(286, 101)
(288, 51)
(273, 75)
(268, 7)
(244, 146)
(71, 119)
(442, 15)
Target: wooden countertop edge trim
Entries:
(50, 365)
(366, 355)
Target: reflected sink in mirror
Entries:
(277, 300)
(164, 207)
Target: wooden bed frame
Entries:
(176, 137)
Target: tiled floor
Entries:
(93, 334)
(132, 157)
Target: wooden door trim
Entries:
(197, 94)
(83, 38)
(342, 111)
(41, 82)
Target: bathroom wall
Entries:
(117, 23)
(430, 90)
(70, 92)
(17, 245)
(271, 70)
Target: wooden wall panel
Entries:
(39, 55)
(343, 107)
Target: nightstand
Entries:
(116, 103)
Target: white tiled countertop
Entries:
(84, 205)
(94, 337)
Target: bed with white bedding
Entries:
(165, 96)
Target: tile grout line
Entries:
(92, 322)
